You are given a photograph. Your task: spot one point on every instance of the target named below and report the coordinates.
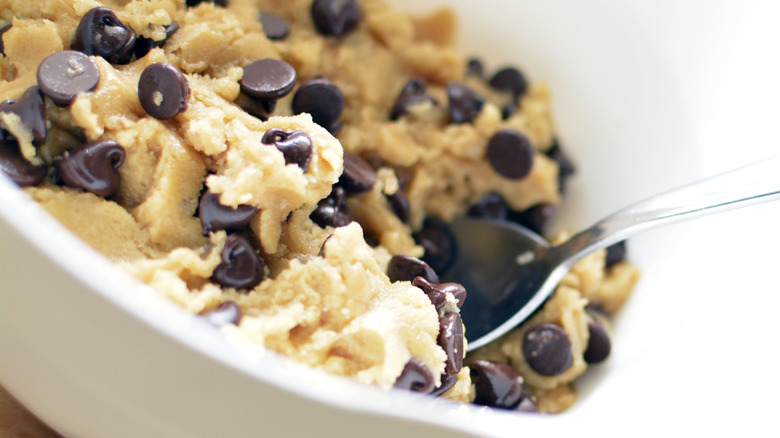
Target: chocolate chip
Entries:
(496, 384)
(399, 203)
(415, 377)
(437, 292)
(215, 216)
(475, 68)
(405, 268)
(491, 206)
(163, 91)
(435, 295)
(143, 45)
(565, 166)
(193, 3)
(439, 243)
(547, 349)
(335, 17)
(465, 104)
(322, 99)
(13, 164)
(63, 75)
(296, 146)
(511, 80)
(3, 30)
(332, 211)
(241, 267)
(268, 79)
(535, 218)
(599, 342)
(511, 154)
(447, 382)
(274, 26)
(226, 313)
(358, 176)
(616, 253)
(92, 167)
(451, 340)
(101, 33)
(413, 93)
(509, 110)
(31, 110)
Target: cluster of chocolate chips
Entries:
(163, 92)
(416, 376)
(359, 176)
(509, 151)
(92, 167)
(241, 267)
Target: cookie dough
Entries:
(286, 170)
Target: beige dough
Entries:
(334, 307)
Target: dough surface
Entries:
(326, 298)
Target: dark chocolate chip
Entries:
(447, 382)
(436, 296)
(511, 80)
(547, 349)
(616, 253)
(63, 75)
(436, 292)
(451, 340)
(13, 164)
(322, 99)
(415, 377)
(31, 111)
(465, 104)
(143, 45)
(399, 203)
(332, 211)
(535, 218)
(413, 93)
(226, 313)
(335, 17)
(509, 110)
(3, 30)
(511, 154)
(358, 176)
(215, 216)
(439, 243)
(100, 33)
(475, 68)
(274, 26)
(496, 384)
(565, 166)
(163, 91)
(241, 267)
(193, 3)
(268, 79)
(599, 342)
(405, 268)
(492, 206)
(296, 146)
(92, 167)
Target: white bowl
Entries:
(647, 95)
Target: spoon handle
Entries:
(752, 184)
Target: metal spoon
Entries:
(510, 271)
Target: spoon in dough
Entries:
(510, 271)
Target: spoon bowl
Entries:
(509, 271)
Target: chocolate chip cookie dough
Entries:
(286, 170)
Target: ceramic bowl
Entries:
(647, 95)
